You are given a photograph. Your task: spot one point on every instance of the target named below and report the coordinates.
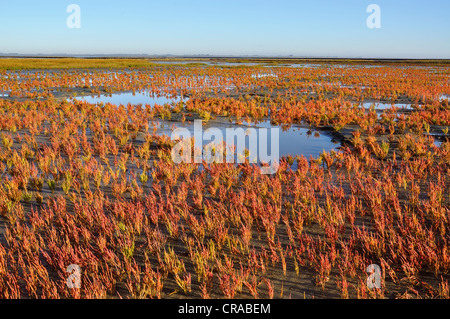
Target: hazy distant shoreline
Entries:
(237, 59)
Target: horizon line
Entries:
(205, 56)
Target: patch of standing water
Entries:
(292, 141)
(297, 140)
(439, 138)
(129, 97)
(444, 97)
(384, 106)
(303, 65)
(437, 143)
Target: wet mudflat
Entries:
(363, 180)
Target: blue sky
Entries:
(409, 29)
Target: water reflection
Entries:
(384, 106)
(293, 141)
(143, 98)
